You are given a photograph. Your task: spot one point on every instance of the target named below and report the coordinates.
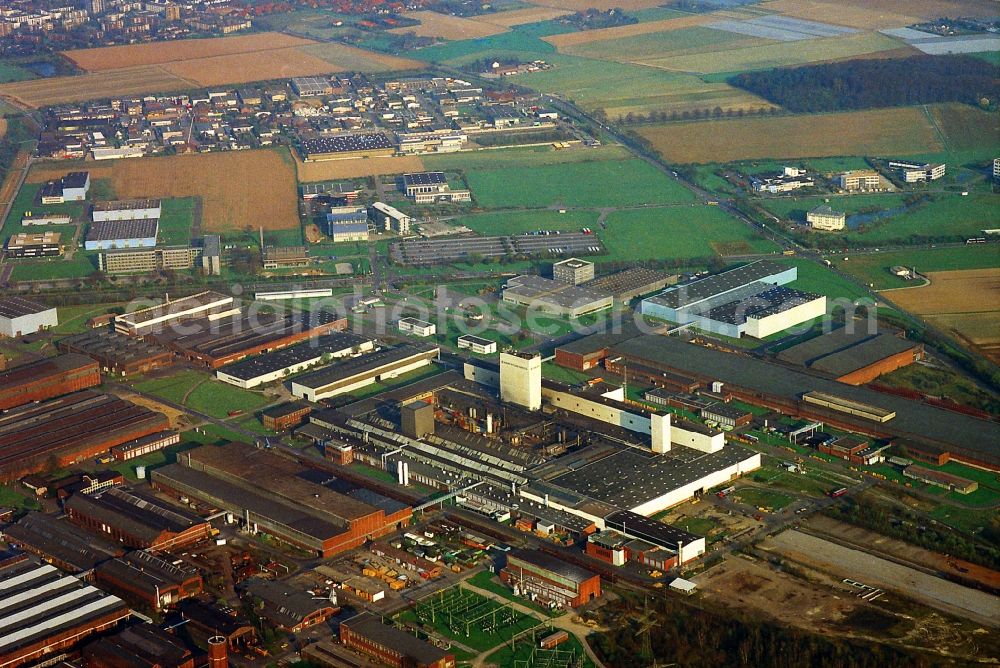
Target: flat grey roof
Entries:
(545, 290)
(914, 421)
(551, 563)
(113, 230)
(863, 354)
(630, 477)
(649, 530)
(16, 307)
(259, 365)
(359, 365)
(710, 286)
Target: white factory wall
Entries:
(127, 214)
(698, 440)
(763, 327)
(294, 368)
(478, 374)
(28, 324)
(315, 394)
(599, 411)
(681, 494)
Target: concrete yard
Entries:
(849, 563)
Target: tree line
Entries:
(867, 84)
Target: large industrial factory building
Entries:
(747, 300)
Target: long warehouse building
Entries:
(47, 378)
(308, 515)
(278, 364)
(220, 341)
(44, 611)
(69, 430)
(156, 318)
(927, 429)
(361, 371)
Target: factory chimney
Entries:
(218, 652)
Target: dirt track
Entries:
(849, 563)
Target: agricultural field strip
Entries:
(155, 53)
(782, 28)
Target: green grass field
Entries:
(176, 218)
(200, 392)
(945, 215)
(814, 277)
(657, 44)
(585, 184)
(486, 580)
(518, 222)
(27, 200)
(522, 39)
(523, 156)
(779, 55)
(527, 653)
(12, 72)
(874, 268)
(763, 498)
(678, 232)
(82, 264)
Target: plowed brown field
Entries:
(237, 188)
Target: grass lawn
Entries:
(176, 218)
(374, 473)
(27, 200)
(11, 496)
(156, 459)
(523, 156)
(587, 184)
(200, 392)
(944, 215)
(518, 222)
(73, 319)
(701, 526)
(817, 278)
(678, 232)
(874, 269)
(942, 383)
(562, 374)
(763, 498)
(80, 266)
(12, 72)
(522, 39)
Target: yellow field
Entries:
(777, 55)
(3, 126)
(357, 167)
(128, 81)
(875, 132)
(198, 72)
(965, 303)
(878, 14)
(154, 53)
(447, 27)
(245, 67)
(518, 17)
(561, 42)
(237, 188)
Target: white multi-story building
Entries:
(416, 327)
(521, 379)
(825, 218)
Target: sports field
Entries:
(900, 131)
(586, 184)
(264, 195)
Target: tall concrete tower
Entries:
(521, 379)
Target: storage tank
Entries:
(140, 472)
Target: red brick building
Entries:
(136, 520)
(147, 579)
(550, 579)
(367, 634)
(47, 378)
(617, 550)
(285, 416)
